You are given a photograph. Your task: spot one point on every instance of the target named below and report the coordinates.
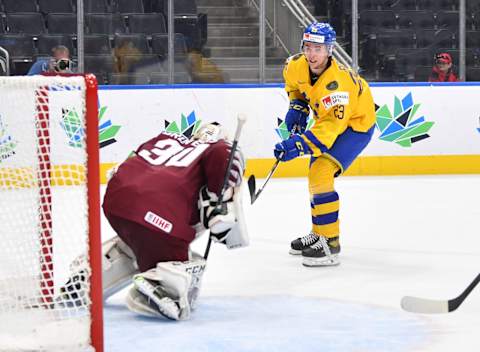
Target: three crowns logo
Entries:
(402, 127)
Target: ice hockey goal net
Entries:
(49, 213)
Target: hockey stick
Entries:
(433, 306)
(241, 119)
(251, 182)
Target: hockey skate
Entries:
(324, 252)
(301, 243)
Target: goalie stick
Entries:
(241, 119)
(433, 306)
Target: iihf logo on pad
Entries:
(75, 130)
(7, 143)
(402, 127)
(187, 126)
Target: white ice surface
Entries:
(399, 235)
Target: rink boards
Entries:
(421, 128)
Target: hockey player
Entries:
(344, 118)
(157, 201)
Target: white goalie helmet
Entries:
(210, 133)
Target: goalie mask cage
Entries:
(49, 213)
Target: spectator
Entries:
(442, 70)
(59, 62)
(203, 70)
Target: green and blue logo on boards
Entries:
(401, 126)
(75, 130)
(187, 126)
(7, 143)
(282, 130)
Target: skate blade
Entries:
(326, 261)
(294, 251)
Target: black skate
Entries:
(301, 243)
(324, 252)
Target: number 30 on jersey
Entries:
(169, 152)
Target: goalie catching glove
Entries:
(225, 221)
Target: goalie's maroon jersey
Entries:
(159, 186)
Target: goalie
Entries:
(158, 201)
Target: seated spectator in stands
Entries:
(203, 70)
(442, 70)
(59, 62)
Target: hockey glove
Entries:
(216, 218)
(297, 115)
(291, 148)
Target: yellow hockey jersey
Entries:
(339, 99)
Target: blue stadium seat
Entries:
(28, 23)
(435, 38)
(96, 6)
(99, 63)
(422, 73)
(62, 23)
(160, 45)
(128, 6)
(407, 60)
(389, 42)
(17, 45)
(416, 19)
(105, 23)
(45, 43)
(375, 21)
(473, 74)
(97, 44)
(147, 23)
(3, 26)
(180, 7)
(448, 20)
(473, 39)
(434, 5)
(55, 6)
(11, 6)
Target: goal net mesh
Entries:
(44, 225)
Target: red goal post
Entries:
(49, 213)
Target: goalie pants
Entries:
(150, 247)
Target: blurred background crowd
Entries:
(236, 41)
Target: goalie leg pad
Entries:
(237, 237)
(148, 299)
(118, 266)
(168, 290)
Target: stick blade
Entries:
(423, 305)
(251, 188)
